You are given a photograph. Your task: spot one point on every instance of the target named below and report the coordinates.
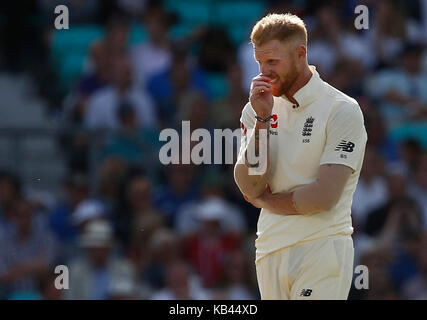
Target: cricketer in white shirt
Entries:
(307, 170)
(326, 127)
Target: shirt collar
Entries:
(309, 92)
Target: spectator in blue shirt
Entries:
(60, 219)
(26, 253)
(168, 87)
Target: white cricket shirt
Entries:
(326, 127)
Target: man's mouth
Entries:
(274, 80)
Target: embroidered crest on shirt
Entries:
(308, 126)
(306, 130)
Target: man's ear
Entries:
(301, 51)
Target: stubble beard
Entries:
(287, 81)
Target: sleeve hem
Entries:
(352, 167)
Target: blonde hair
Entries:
(282, 27)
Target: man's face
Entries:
(139, 193)
(23, 216)
(156, 26)
(118, 36)
(122, 72)
(278, 61)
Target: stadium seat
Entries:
(75, 40)
(232, 13)
(415, 130)
(181, 30)
(137, 34)
(70, 70)
(26, 295)
(217, 84)
(171, 5)
(239, 34)
(192, 11)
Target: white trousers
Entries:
(318, 270)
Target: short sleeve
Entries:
(345, 137)
(247, 122)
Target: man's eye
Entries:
(272, 61)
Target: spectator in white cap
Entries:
(123, 288)
(86, 211)
(180, 284)
(208, 247)
(93, 275)
(191, 216)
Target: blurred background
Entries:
(81, 109)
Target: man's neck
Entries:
(300, 82)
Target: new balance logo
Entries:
(308, 127)
(306, 293)
(346, 146)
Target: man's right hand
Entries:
(260, 96)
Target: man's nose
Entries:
(264, 70)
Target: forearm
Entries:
(280, 203)
(304, 200)
(315, 197)
(250, 185)
(250, 174)
(311, 198)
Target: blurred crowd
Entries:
(129, 227)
